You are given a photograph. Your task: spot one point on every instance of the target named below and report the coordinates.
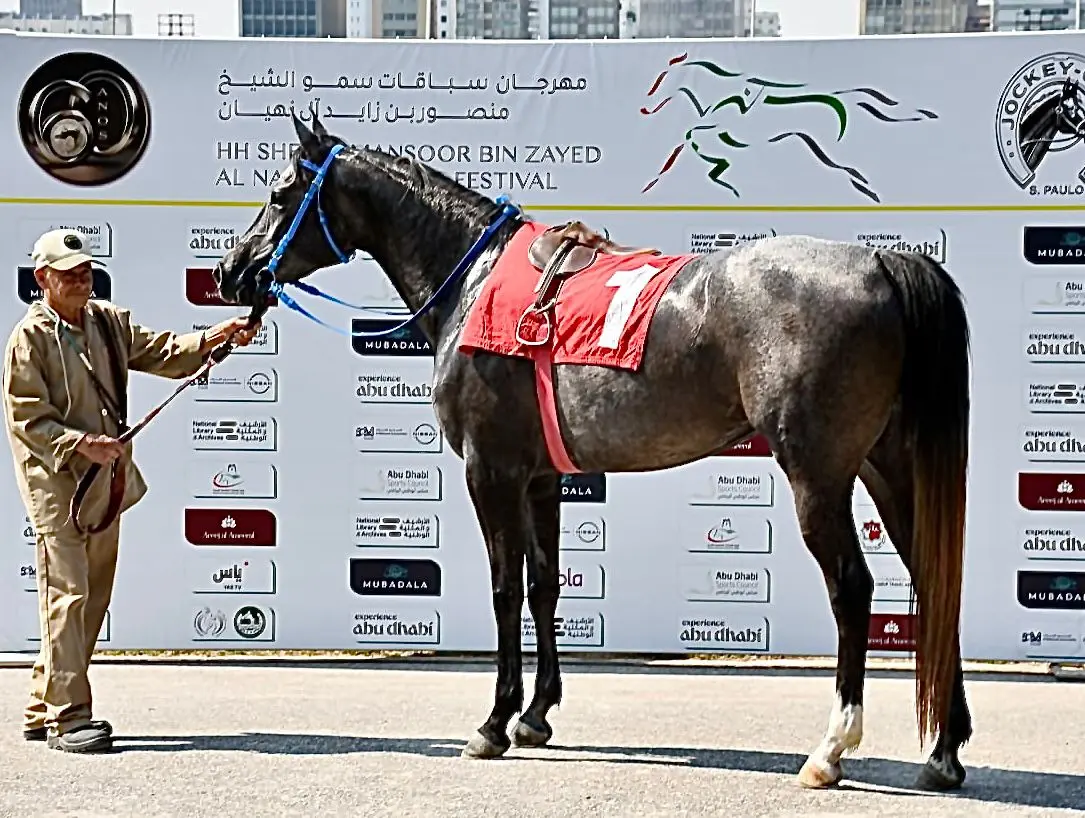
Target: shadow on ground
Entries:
(985, 784)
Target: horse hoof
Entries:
(481, 747)
(815, 777)
(934, 778)
(525, 735)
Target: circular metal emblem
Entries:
(84, 119)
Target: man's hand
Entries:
(237, 327)
(100, 448)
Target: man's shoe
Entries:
(40, 733)
(89, 738)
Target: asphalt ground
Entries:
(371, 739)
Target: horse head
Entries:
(303, 227)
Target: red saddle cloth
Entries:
(601, 317)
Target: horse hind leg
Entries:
(821, 427)
(533, 730)
(887, 477)
(824, 513)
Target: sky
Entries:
(218, 18)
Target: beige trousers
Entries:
(75, 585)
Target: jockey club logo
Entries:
(1042, 112)
(84, 119)
(714, 139)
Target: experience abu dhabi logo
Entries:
(741, 98)
(84, 119)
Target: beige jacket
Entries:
(50, 402)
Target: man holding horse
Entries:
(65, 393)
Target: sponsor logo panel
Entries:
(891, 632)
(230, 526)
(247, 576)
(710, 242)
(707, 530)
(1064, 541)
(374, 385)
(731, 634)
(399, 430)
(932, 242)
(1054, 590)
(201, 290)
(408, 342)
(583, 488)
(225, 434)
(1053, 442)
(734, 488)
(1060, 639)
(395, 525)
(582, 630)
(212, 241)
(1035, 93)
(247, 623)
(395, 577)
(397, 627)
(1051, 491)
(709, 582)
(1053, 345)
(1054, 244)
(238, 477)
(892, 582)
(873, 538)
(265, 342)
(756, 446)
(1055, 390)
(582, 529)
(253, 384)
(99, 235)
(395, 480)
(582, 581)
(101, 285)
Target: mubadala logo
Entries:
(711, 242)
(1040, 116)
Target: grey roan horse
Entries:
(850, 361)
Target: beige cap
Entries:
(60, 249)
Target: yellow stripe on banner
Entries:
(630, 208)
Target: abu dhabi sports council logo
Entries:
(715, 136)
(84, 119)
(1042, 112)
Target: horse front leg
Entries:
(543, 590)
(500, 504)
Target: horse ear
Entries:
(310, 144)
(318, 128)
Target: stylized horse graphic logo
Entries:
(754, 93)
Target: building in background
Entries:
(979, 17)
(51, 8)
(1033, 15)
(693, 18)
(391, 18)
(292, 18)
(81, 24)
(913, 16)
(766, 24)
(176, 25)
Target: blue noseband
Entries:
(276, 288)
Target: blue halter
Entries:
(507, 211)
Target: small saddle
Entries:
(586, 244)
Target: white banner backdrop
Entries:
(305, 497)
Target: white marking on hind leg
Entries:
(844, 734)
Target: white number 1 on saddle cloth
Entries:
(629, 285)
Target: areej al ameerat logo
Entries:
(84, 119)
(1041, 113)
(729, 121)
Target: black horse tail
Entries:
(935, 409)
